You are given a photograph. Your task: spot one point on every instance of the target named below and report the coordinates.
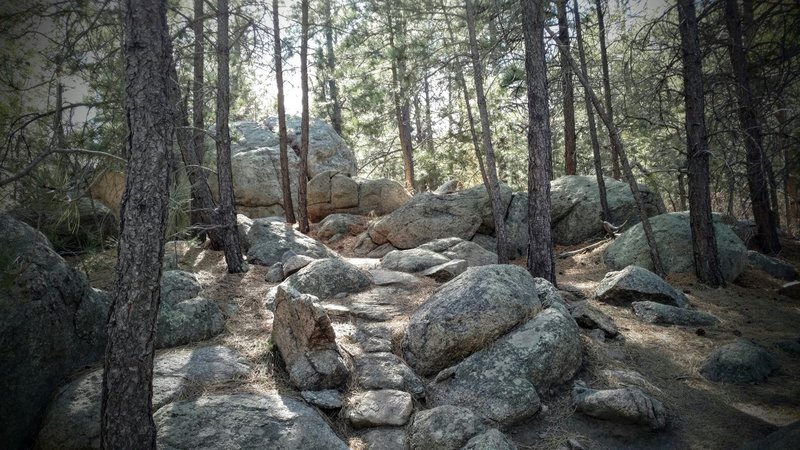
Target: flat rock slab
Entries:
(741, 361)
(243, 421)
(382, 277)
(378, 304)
(379, 408)
(587, 316)
(635, 283)
(457, 248)
(625, 405)
(659, 313)
(443, 428)
(374, 338)
(326, 399)
(447, 271)
(73, 420)
(412, 260)
(387, 371)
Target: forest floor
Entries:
(702, 414)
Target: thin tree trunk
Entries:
(613, 134)
(197, 216)
(493, 187)
(420, 135)
(59, 140)
(126, 406)
(598, 161)
(226, 210)
(615, 166)
(756, 180)
(682, 190)
(288, 205)
(428, 122)
(302, 184)
(401, 105)
(570, 165)
(333, 89)
(704, 242)
(541, 262)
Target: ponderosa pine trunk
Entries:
(288, 204)
(570, 164)
(540, 238)
(401, 104)
(493, 185)
(226, 212)
(330, 60)
(704, 243)
(302, 182)
(767, 237)
(197, 216)
(615, 157)
(126, 407)
(598, 161)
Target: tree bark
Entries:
(330, 60)
(302, 185)
(401, 104)
(541, 262)
(288, 204)
(428, 122)
(570, 164)
(226, 210)
(613, 134)
(767, 237)
(493, 185)
(704, 242)
(126, 407)
(197, 216)
(615, 164)
(598, 161)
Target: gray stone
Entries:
(576, 210)
(257, 180)
(340, 225)
(635, 283)
(500, 383)
(468, 313)
(293, 263)
(785, 438)
(270, 239)
(625, 405)
(791, 290)
(413, 260)
(325, 399)
(333, 193)
(250, 136)
(673, 237)
(243, 421)
(446, 271)
(275, 273)
(549, 295)
(374, 338)
(326, 278)
(457, 248)
(41, 300)
(659, 313)
(443, 428)
(326, 149)
(623, 378)
(380, 196)
(177, 286)
(379, 408)
(492, 439)
(73, 420)
(385, 439)
(381, 250)
(741, 361)
(387, 371)
(377, 304)
(772, 266)
(428, 216)
(393, 278)
(589, 317)
(448, 187)
(192, 320)
(303, 333)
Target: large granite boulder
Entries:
(635, 283)
(741, 361)
(412, 260)
(257, 181)
(501, 382)
(443, 428)
(72, 421)
(304, 335)
(48, 327)
(576, 211)
(430, 216)
(673, 237)
(243, 421)
(270, 238)
(773, 266)
(456, 248)
(333, 192)
(467, 314)
(325, 278)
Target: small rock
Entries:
(659, 313)
(412, 260)
(492, 439)
(177, 285)
(374, 338)
(597, 334)
(326, 399)
(391, 277)
(625, 405)
(635, 283)
(741, 361)
(275, 273)
(379, 408)
(447, 271)
(443, 428)
(772, 266)
(587, 316)
(294, 263)
(387, 371)
(385, 439)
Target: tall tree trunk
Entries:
(59, 140)
(302, 183)
(330, 60)
(615, 166)
(613, 134)
(493, 185)
(428, 122)
(570, 165)
(126, 407)
(197, 216)
(540, 248)
(767, 237)
(226, 211)
(704, 242)
(401, 104)
(288, 205)
(598, 161)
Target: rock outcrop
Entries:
(332, 192)
(268, 239)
